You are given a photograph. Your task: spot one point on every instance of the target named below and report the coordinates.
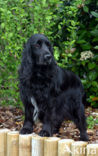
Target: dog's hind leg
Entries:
(80, 121)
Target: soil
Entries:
(12, 118)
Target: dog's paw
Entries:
(26, 130)
(84, 138)
(44, 133)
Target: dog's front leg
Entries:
(28, 122)
(47, 127)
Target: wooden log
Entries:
(13, 143)
(78, 148)
(25, 145)
(3, 141)
(51, 146)
(92, 150)
(38, 145)
(64, 147)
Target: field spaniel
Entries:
(49, 93)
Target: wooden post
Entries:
(13, 143)
(38, 145)
(64, 147)
(25, 145)
(3, 141)
(78, 148)
(92, 150)
(51, 146)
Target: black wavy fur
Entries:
(58, 92)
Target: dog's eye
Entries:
(37, 45)
(39, 42)
(47, 43)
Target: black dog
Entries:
(49, 92)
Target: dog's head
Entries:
(39, 50)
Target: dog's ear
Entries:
(25, 69)
(26, 56)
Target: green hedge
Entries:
(72, 27)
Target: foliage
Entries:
(72, 27)
(77, 35)
(91, 122)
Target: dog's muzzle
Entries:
(47, 58)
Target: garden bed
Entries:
(12, 118)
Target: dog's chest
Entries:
(34, 103)
(41, 91)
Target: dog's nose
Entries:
(47, 58)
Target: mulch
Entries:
(12, 118)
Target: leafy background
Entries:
(71, 26)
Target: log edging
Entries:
(14, 144)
